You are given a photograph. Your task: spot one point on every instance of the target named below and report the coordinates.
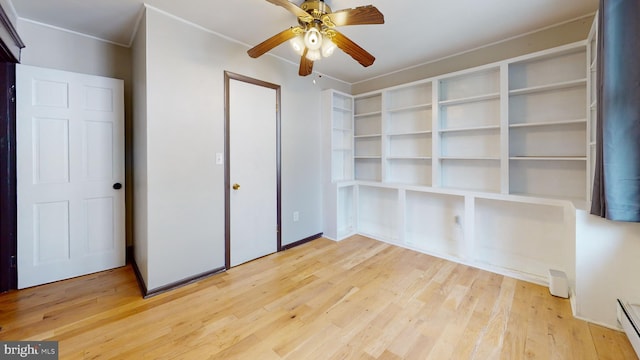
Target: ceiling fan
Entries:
(315, 37)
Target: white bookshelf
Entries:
(341, 137)
(485, 166)
(548, 125)
(522, 127)
(469, 130)
(503, 233)
(367, 121)
(338, 158)
(408, 131)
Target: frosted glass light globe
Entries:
(313, 39)
(328, 47)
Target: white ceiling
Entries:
(415, 32)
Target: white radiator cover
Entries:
(629, 319)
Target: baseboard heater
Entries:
(629, 318)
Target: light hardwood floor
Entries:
(357, 299)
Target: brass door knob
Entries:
(236, 186)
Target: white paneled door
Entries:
(70, 174)
(252, 171)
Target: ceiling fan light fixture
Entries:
(328, 47)
(313, 39)
(314, 55)
(297, 43)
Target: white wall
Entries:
(57, 49)
(139, 149)
(607, 267)
(185, 128)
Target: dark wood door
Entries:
(10, 45)
(8, 247)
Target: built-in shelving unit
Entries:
(342, 138)
(469, 130)
(367, 121)
(339, 191)
(523, 126)
(548, 125)
(482, 166)
(408, 142)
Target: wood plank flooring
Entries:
(356, 299)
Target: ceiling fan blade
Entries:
(359, 16)
(294, 9)
(354, 50)
(273, 41)
(306, 65)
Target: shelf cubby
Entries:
(369, 125)
(409, 145)
(371, 104)
(410, 121)
(345, 211)
(549, 177)
(368, 168)
(483, 143)
(368, 146)
(343, 103)
(429, 224)
(341, 165)
(409, 97)
(409, 171)
(551, 106)
(549, 71)
(470, 87)
(342, 139)
(568, 139)
(470, 115)
(377, 212)
(471, 173)
(508, 235)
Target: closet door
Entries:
(253, 171)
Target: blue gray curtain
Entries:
(616, 190)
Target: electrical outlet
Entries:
(296, 216)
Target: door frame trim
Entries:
(228, 76)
